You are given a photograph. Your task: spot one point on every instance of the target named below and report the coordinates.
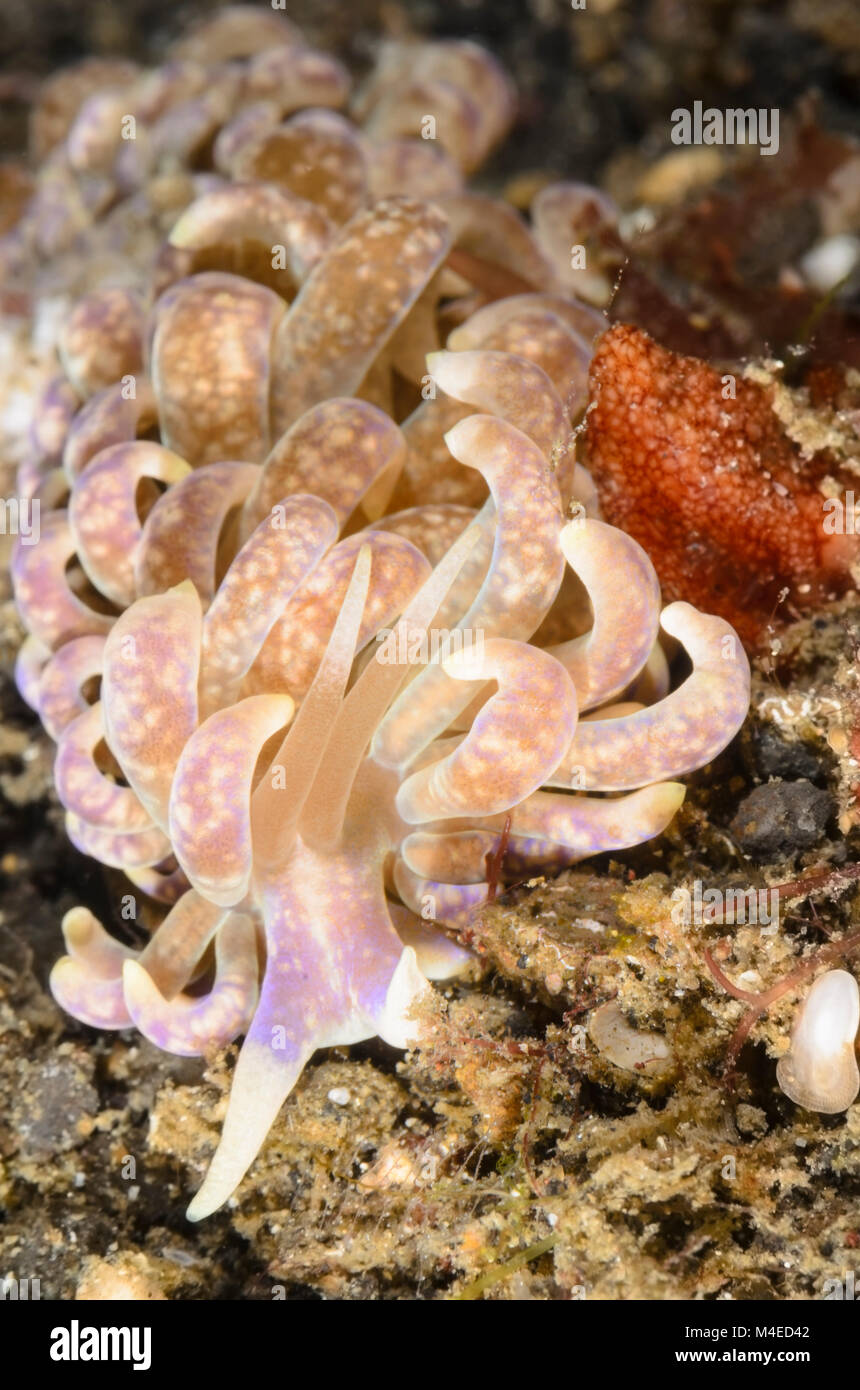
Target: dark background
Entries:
(593, 83)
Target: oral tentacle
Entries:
(179, 943)
(281, 795)
(433, 530)
(463, 593)
(88, 982)
(293, 650)
(359, 717)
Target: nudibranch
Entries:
(305, 791)
(322, 612)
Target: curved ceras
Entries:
(198, 326)
(624, 595)
(183, 105)
(180, 539)
(684, 730)
(246, 107)
(209, 318)
(274, 563)
(553, 349)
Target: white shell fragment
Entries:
(819, 1071)
(831, 261)
(624, 1046)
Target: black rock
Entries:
(776, 757)
(781, 817)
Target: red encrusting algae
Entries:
(696, 465)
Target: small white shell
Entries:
(819, 1071)
(624, 1046)
(831, 261)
